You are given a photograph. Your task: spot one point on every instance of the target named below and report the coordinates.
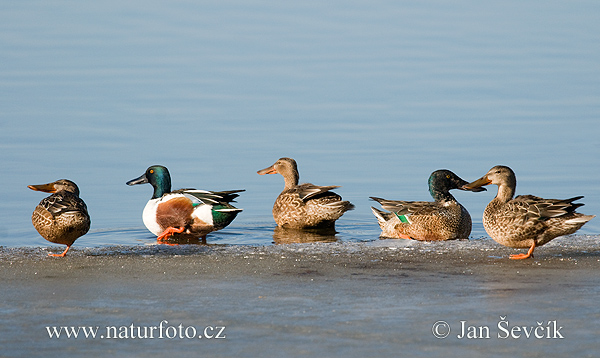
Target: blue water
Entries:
(372, 96)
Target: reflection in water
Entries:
(295, 236)
(178, 239)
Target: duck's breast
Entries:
(168, 211)
(149, 216)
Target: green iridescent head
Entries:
(158, 176)
(442, 181)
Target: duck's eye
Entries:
(447, 176)
(151, 171)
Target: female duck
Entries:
(304, 206)
(526, 221)
(62, 217)
(442, 219)
(189, 213)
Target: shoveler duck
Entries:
(443, 219)
(186, 214)
(62, 217)
(303, 206)
(526, 221)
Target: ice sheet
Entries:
(348, 299)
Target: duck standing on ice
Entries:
(62, 217)
(526, 221)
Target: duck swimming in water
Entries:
(526, 221)
(304, 206)
(186, 213)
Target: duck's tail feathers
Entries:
(382, 216)
(341, 206)
(580, 219)
(228, 196)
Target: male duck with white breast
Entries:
(184, 213)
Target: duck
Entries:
(443, 219)
(526, 221)
(184, 214)
(62, 217)
(304, 206)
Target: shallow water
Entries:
(372, 96)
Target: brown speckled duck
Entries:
(303, 206)
(442, 219)
(62, 217)
(526, 221)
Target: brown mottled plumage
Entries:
(305, 205)
(442, 219)
(62, 217)
(526, 221)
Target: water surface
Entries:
(369, 96)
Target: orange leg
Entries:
(524, 256)
(169, 232)
(402, 236)
(64, 253)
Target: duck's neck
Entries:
(162, 185)
(291, 179)
(441, 195)
(505, 193)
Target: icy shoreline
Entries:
(574, 246)
(350, 299)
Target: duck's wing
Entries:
(309, 191)
(209, 197)
(63, 202)
(530, 207)
(401, 207)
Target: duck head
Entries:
(287, 167)
(158, 176)
(499, 175)
(55, 187)
(443, 180)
